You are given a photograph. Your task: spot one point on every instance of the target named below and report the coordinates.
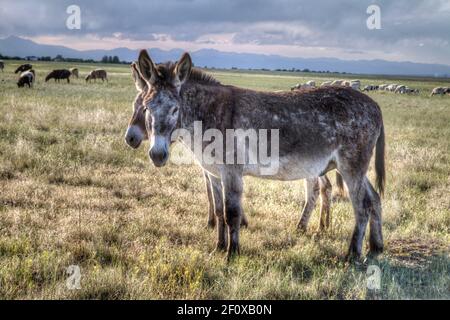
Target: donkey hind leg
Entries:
(232, 193)
(312, 191)
(376, 235)
(325, 201)
(361, 202)
(209, 192)
(216, 187)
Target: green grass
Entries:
(72, 193)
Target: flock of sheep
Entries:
(356, 85)
(396, 88)
(28, 75)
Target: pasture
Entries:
(73, 193)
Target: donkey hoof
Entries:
(233, 251)
(221, 247)
(244, 223)
(375, 250)
(218, 249)
(353, 257)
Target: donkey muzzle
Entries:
(159, 152)
(133, 137)
(159, 157)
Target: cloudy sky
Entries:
(411, 30)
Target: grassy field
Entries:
(72, 193)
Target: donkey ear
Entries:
(139, 82)
(147, 68)
(183, 68)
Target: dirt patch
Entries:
(416, 252)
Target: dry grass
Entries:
(73, 193)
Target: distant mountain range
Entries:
(16, 46)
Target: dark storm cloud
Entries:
(406, 24)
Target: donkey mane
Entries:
(166, 73)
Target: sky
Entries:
(411, 30)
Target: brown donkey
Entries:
(315, 187)
(319, 130)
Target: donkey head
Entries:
(162, 102)
(136, 131)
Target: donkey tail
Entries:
(379, 162)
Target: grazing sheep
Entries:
(326, 83)
(23, 68)
(2, 65)
(74, 72)
(355, 84)
(391, 87)
(26, 78)
(400, 89)
(97, 74)
(440, 91)
(58, 75)
(300, 86)
(370, 87)
(337, 82)
(409, 90)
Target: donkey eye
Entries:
(175, 110)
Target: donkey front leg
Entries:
(209, 192)
(217, 195)
(232, 194)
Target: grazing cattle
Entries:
(23, 68)
(97, 74)
(136, 133)
(382, 87)
(316, 131)
(2, 65)
(326, 83)
(440, 91)
(26, 78)
(59, 74)
(311, 83)
(74, 72)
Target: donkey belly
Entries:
(292, 167)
